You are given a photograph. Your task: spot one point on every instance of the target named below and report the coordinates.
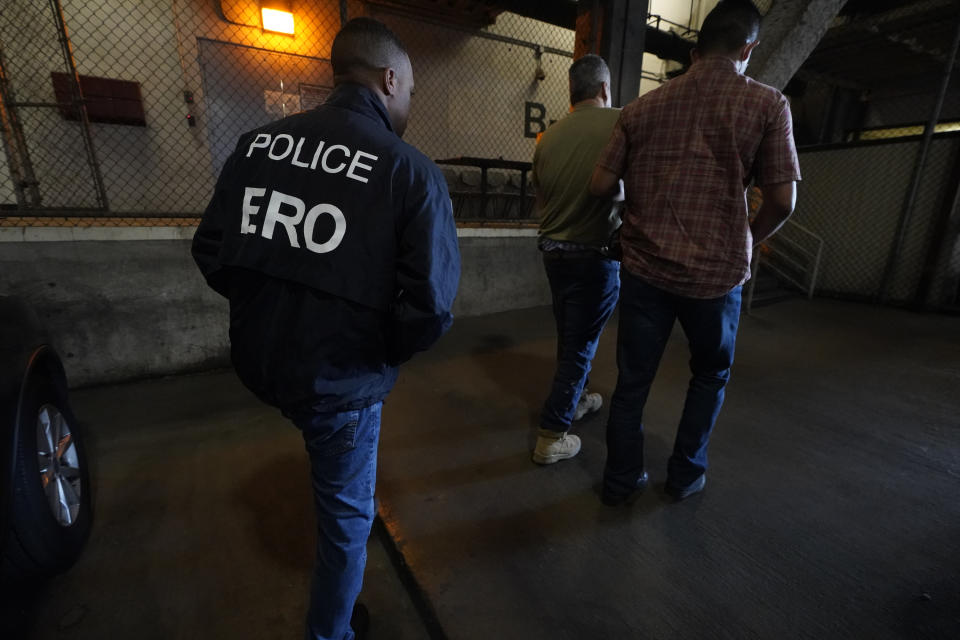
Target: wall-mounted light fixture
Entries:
(276, 16)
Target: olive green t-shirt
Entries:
(562, 165)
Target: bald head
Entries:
(366, 45)
(367, 53)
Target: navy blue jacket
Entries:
(335, 244)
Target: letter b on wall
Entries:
(534, 119)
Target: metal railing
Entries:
(793, 256)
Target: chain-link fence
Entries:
(482, 98)
(167, 87)
(123, 113)
(876, 217)
(132, 120)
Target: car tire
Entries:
(51, 508)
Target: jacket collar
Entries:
(361, 100)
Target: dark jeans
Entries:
(585, 291)
(647, 315)
(343, 464)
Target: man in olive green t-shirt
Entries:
(575, 228)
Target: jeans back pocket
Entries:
(342, 437)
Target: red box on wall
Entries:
(109, 101)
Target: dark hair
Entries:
(587, 75)
(365, 43)
(731, 24)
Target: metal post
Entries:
(623, 36)
(587, 28)
(816, 271)
(79, 102)
(616, 30)
(940, 238)
(343, 12)
(15, 144)
(595, 28)
(918, 168)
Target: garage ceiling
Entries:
(879, 47)
(886, 47)
(476, 14)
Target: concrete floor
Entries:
(830, 510)
(204, 525)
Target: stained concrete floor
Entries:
(830, 511)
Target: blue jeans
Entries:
(343, 466)
(647, 315)
(585, 291)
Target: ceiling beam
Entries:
(790, 31)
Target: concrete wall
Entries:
(500, 273)
(128, 303)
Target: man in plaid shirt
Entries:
(686, 153)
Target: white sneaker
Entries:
(554, 446)
(589, 403)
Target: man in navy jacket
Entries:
(334, 242)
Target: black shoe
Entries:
(678, 493)
(613, 499)
(360, 621)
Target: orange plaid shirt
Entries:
(687, 152)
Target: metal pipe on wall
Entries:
(26, 187)
(79, 102)
(941, 237)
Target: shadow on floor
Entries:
(278, 503)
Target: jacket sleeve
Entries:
(208, 238)
(428, 270)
